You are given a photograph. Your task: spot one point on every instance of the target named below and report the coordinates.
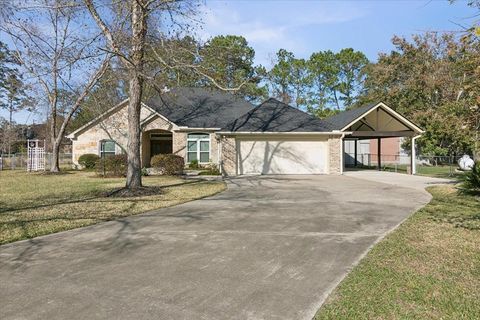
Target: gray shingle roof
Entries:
(199, 107)
(275, 116)
(340, 120)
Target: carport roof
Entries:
(373, 121)
(342, 119)
(276, 116)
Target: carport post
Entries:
(413, 156)
(379, 153)
(356, 161)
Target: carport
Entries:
(375, 121)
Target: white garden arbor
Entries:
(36, 155)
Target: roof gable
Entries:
(97, 119)
(365, 119)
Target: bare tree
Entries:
(54, 45)
(125, 25)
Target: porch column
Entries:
(413, 157)
(379, 153)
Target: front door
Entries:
(160, 147)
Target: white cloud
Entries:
(271, 25)
(263, 33)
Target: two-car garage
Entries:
(282, 155)
(275, 138)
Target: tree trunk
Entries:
(55, 166)
(139, 30)
(336, 99)
(9, 132)
(134, 170)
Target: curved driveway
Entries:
(267, 248)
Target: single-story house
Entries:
(216, 127)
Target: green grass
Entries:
(430, 171)
(429, 268)
(439, 172)
(447, 172)
(34, 204)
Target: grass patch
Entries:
(209, 173)
(34, 204)
(429, 268)
(440, 171)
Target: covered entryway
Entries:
(155, 142)
(275, 155)
(370, 125)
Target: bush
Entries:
(88, 160)
(168, 164)
(112, 166)
(472, 178)
(193, 164)
(211, 170)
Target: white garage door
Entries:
(267, 156)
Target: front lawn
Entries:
(34, 204)
(429, 268)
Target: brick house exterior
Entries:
(218, 128)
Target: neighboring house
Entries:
(392, 152)
(219, 128)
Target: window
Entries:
(107, 148)
(198, 147)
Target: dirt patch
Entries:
(129, 193)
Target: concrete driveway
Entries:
(267, 248)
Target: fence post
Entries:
(451, 166)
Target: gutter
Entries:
(220, 155)
(186, 129)
(313, 133)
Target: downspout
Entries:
(342, 153)
(219, 154)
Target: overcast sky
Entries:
(304, 27)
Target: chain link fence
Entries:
(18, 161)
(441, 166)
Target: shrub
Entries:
(112, 166)
(168, 164)
(211, 170)
(88, 160)
(472, 178)
(193, 164)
